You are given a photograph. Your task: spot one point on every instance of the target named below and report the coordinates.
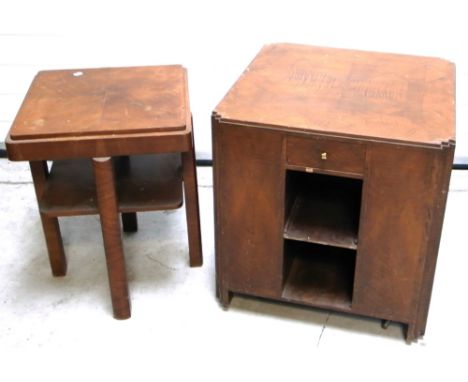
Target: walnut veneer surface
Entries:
(331, 172)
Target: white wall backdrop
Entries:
(216, 40)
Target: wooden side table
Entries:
(121, 141)
(331, 172)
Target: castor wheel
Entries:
(385, 324)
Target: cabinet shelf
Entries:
(143, 183)
(323, 210)
(310, 179)
(319, 275)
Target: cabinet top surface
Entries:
(380, 96)
(105, 101)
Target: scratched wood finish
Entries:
(353, 93)
(320, 276)
(102, 101)
(102, 112)
(380, 125)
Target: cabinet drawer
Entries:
(326, 154)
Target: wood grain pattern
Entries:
(144, 183)
(103, 101)
(249, 218)
(345, 92)
(343, 157)
(107, 202)
(87, 147)
(382, 122)
(139, 118)
(399, 195)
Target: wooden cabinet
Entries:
(331, 174)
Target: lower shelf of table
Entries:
(143, 183)
(318, 275)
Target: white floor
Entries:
(63, 327)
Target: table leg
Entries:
(129, 222)
(123, 168)
(191, 208)
(57, 259)
(107, 204)
(50, 225)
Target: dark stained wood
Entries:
(129, 219)
(250, 222)
(107, 202)
(320, 276)
(149, 183)
(394, 227)
(222, 288)
(388, 97)
(383, 121)
(50, 225)
(70, 189)
(144, 183)
(53, 238)
(421, 300)
(325, 210)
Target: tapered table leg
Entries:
(191, 208)
(50, 225)
(107, 204)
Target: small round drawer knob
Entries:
(324, 156)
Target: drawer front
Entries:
(326, 154)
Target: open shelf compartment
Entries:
(322, 209)
(318, 275)
(143, 183)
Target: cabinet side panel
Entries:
(395, 220)
(249, 209)
(216, 141)
(441, 177)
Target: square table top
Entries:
(376, 96)
(103, 102)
